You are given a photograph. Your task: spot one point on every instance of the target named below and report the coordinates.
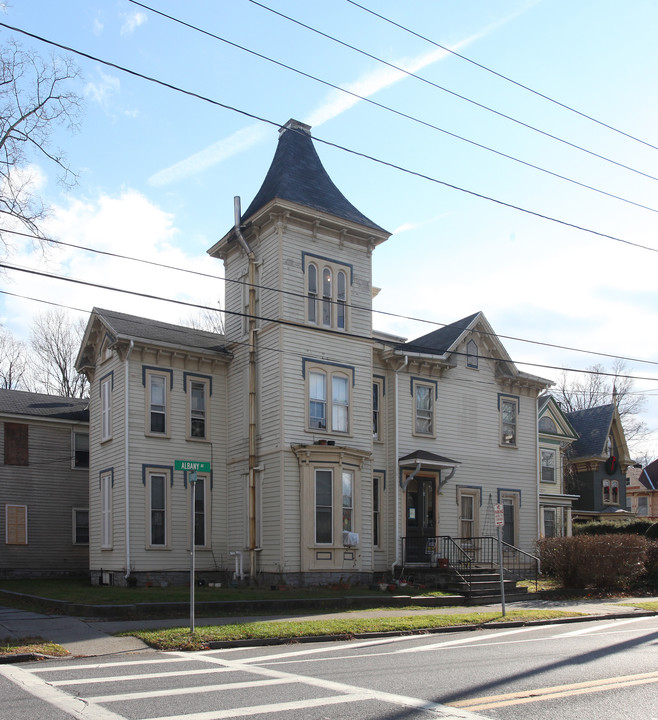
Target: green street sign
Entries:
(191, 465)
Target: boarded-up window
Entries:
(16, 524)
(16, 446)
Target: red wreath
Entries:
(611, 465)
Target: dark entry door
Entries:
(420, 520)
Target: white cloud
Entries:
(125, 224)
(132, 21)
(210, 156)
(103, 89)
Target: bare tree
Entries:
(13, 361)
(206, 319)
(55, 342)
(35, 99)
(597, 388)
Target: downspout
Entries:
(127, 455)
(252, 390)
(397, 469)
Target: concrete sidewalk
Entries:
(91, 637)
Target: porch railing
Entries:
(464, 555)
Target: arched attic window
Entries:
(472, 354)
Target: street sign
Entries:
(191, 465)
(499, 515)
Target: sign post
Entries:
(499, 517)
(192, 466)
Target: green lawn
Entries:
(31, 645)
(649, 605)
(181, 639)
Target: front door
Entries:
(420, 520)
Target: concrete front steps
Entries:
(485, 588)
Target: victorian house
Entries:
(328, 449)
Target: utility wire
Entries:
(303, 296)
(428, 82)
(404, 115)
(504, 77)
(280, 321)
(356, 153)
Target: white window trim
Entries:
(166, 474)
(475, 493)
(205, 381)
(106, 407)
(432, 387)
(330, 471)
(472, 354)
(16, 506)
(379, 437)
(74, 434)
(106, 502)
(332, 300)
(74, 515)
(646, 505)
(166, 377)
(546, 511)
(504, 400)
(330, 373)
(541, 465)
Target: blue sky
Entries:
(159, 169)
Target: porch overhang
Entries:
(425, 460)
(557, 500)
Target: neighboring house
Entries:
(598, 461)
(335, 451)
(44, 480)
(642, 491)
(555, 436)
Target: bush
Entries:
(607, 527)
(652, 532)
(598, 561)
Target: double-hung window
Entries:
(16, 437)
(106, 482)
(106, 407)
(324, 504)
(376, 417)
(328, 401)
(348, 501)
(509, 409)
(548, 466)
(376, 510)
(312, 289)
(80, 450)
(198, 390)
(80, 526)
(423, 394)
(157, 404)
(157, 509)
(16, 524)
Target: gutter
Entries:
(127, 456)
(252, 390)
(397, 559)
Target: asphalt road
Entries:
(602, 669)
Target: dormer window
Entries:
(472, 354)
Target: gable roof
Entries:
(297, 175)
(593, 427)
(649, 476)
(53, 407)
(131, 327)
(548, 407)
(439, 342)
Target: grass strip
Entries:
(31, 645)
(649, 605)
(181, 639)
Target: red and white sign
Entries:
(499, 515)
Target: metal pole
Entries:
(193, 494)
(502, 575)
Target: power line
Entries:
(428, 82)
(303, 296)
(337, 146)
(504, 77)
(288, 323)
(407, 116)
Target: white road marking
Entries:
(140, 676)
(75, 707)
(598, 628)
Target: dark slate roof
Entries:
(429, 456)
(649, 476)
(593, 427)
(297, 175)
(440, 341)
(18, 402)
(132, 327)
